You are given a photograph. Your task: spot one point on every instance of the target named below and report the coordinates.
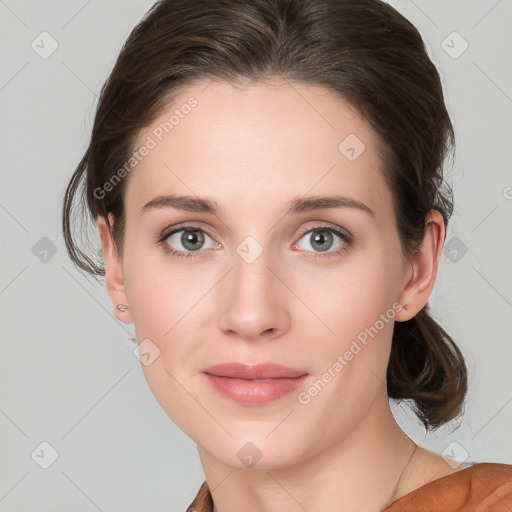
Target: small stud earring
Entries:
(122, 308)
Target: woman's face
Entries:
(251, 282)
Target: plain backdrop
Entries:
(69, 378)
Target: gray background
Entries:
(68, 373)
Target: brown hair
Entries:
(365, 51)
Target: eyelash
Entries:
(346, 238)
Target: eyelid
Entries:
(166, 233)
(327, 225)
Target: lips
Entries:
(254, 385)
(259, 371)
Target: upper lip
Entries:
(252, 372)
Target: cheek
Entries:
(161, 293)
(356, 297)
(359, 306)
(351, 361)
(363, 326)
(163, 312)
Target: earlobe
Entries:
(114, 280)
(424, 265)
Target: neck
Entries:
(365, 470)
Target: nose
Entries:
(253, 300)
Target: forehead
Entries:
(261, 143)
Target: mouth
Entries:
(254, 385)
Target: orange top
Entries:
(484, 487)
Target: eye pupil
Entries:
(320, 238)
(196, 238)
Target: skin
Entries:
(252, 149)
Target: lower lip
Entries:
(254, 392)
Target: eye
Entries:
(187, 241)
(184, 241)
(322, 239)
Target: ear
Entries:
(424, 263)
(113, 270)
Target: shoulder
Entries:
(482, 486)
(203, 501)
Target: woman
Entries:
(267, 178)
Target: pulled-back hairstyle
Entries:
(363, 50)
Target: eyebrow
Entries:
(296, 205)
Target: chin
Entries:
(255, 452)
